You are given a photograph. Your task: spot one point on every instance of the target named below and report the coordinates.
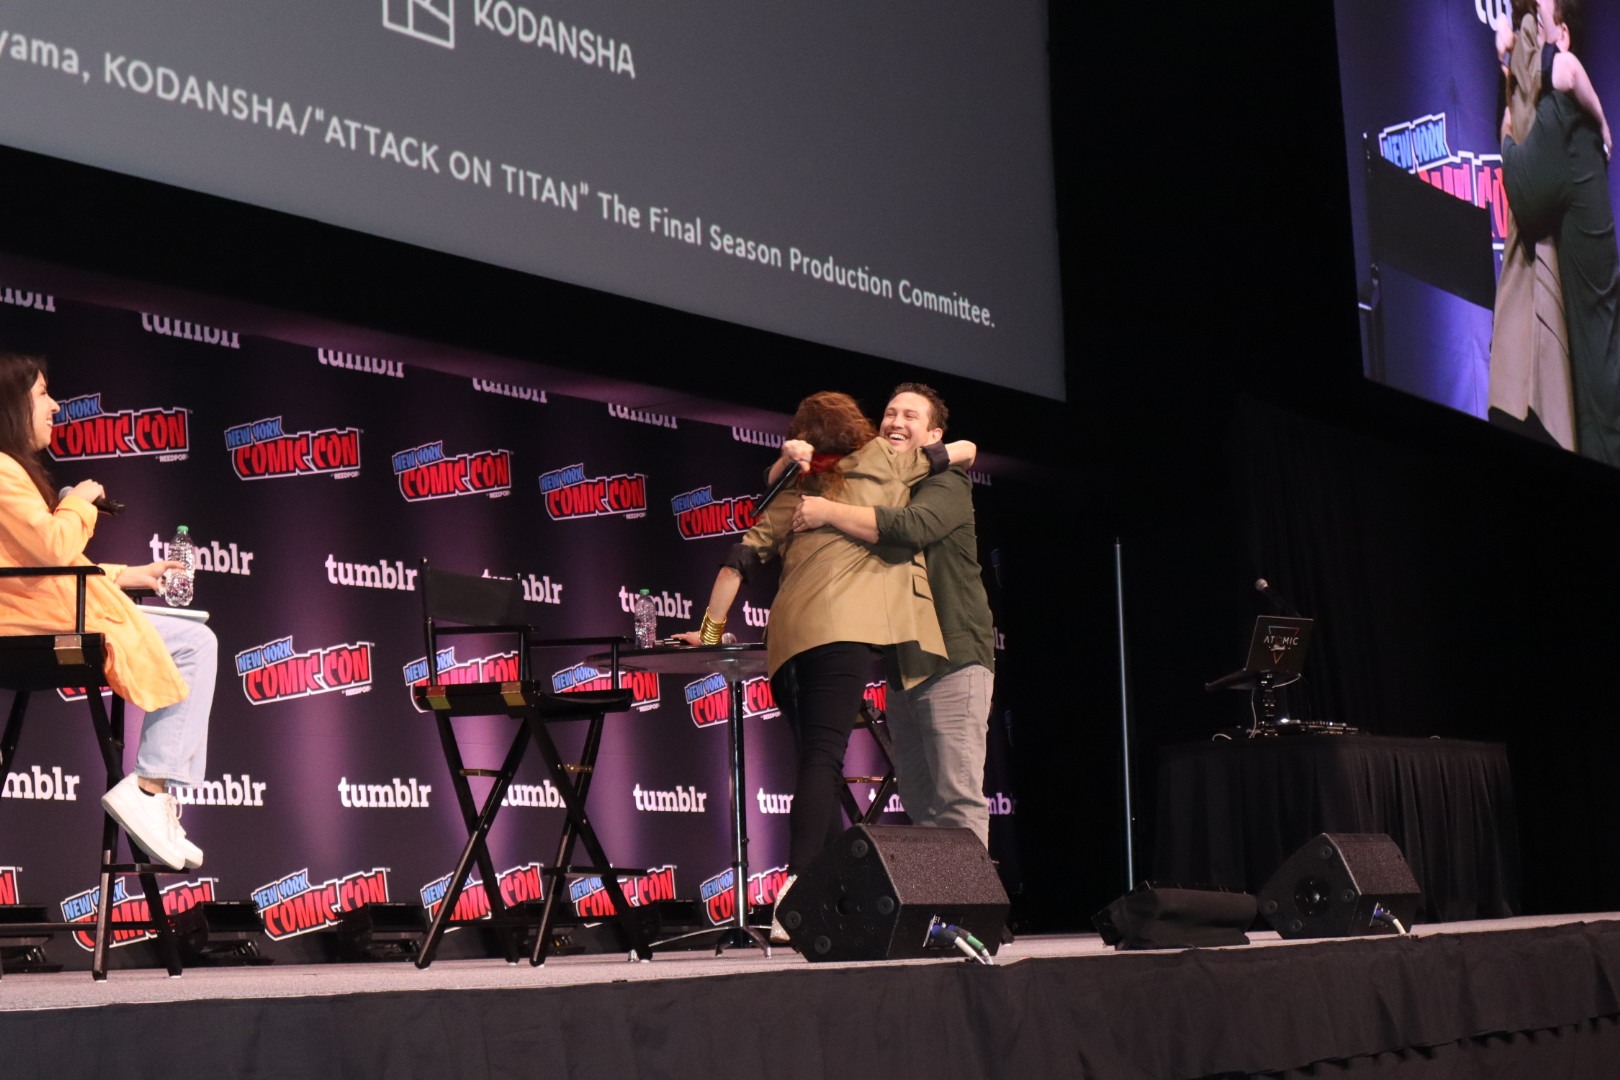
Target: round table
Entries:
(736, 663)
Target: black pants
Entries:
(819, 691)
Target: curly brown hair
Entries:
(834, 424)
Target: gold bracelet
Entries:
(710, 632)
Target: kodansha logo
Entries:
(517, 886)
(294, 906)
(81, 908)
(264, 450)
(433, 21)
(274, 671)
(569, 493)
(500, 667)
(83, 430)
(426, 472)
(698, 514)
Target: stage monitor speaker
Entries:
(878, 890)
(1342, 885)
(1171, 917)
(379, 931)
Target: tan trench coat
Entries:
(835, 588)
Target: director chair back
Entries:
(459, 605)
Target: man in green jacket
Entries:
(940, 726)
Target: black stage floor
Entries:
(1521, 998)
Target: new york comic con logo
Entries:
(569, 493)
(127, 908)
(275, 671)
(499, 667)
(264, 450)
(427, 472)
(698, 514)
(1422, 148)
(83, 430)
(519, 885)
(294, 905)
(719, 893)
(590, 897)
(643, 685)
(708, 700)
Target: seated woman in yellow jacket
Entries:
(164, 666)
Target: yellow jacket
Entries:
(139, 668)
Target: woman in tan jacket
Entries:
(164, 666)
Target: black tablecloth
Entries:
(1230, 812)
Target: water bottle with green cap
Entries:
(177, 585)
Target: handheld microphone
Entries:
(107, 506)
(1261, 585)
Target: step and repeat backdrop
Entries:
(314, 482)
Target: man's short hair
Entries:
(939, 414)
(1568, 13)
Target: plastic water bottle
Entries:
(177, 584)
(646, 620)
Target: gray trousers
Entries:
(939, 730)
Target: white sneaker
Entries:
(193, 853)
(150, 820)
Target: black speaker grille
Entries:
(877, 890)
(1335, 886)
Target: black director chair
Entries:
(61, 661)
(494, 607)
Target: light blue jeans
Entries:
(939, 730)
(174, 739)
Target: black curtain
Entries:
(1466, 585)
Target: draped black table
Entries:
(1230, 812)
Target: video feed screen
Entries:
(1487, 267)
(876, 177)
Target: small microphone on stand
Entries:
(1261, 585)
